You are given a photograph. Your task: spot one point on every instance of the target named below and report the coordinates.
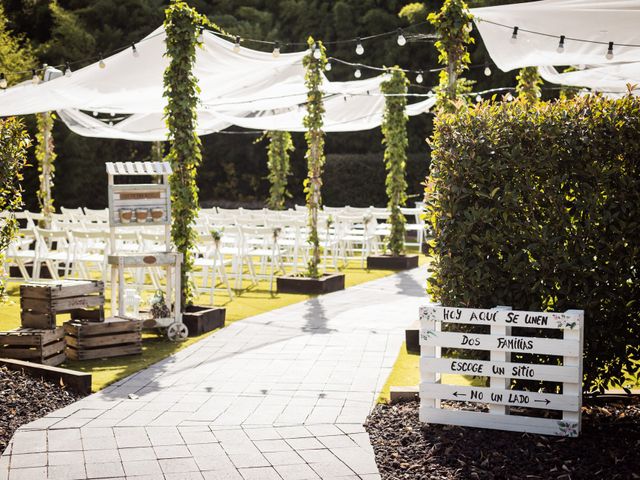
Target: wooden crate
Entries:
(115, 337)
(35, 345)
(41, 301)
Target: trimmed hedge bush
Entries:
(538, 207)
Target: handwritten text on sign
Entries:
(500, 370)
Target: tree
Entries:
(279, 165)
(16, 54)
(181, 91)
(453, 26)
(528, 86)
(394, 130)
(13, 157)
(314, 63)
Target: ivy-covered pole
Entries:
(528, 86)
(14, 142)
(314, 63)
(453, 27)
(279, 164)
(45, 155)
(394, 131)
(181, 90)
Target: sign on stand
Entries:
(499, 369)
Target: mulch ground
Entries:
(609, 447)
(24, 398)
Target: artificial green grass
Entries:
(251, 301)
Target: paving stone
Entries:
(297, 472)
(31, 473)
(172, 451)
(65, 458)
(263, 473)
(104, 470)
(179, 465)
(244, 460)
(137, 453)
(28, 460)
(72, 471)
(142, 467)
(272, 446)
(101, 456)
(284, 458)
(304, 443)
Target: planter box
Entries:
(327, 283)
(390, 262)
(201, 320)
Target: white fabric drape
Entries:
(601, 21)
(247, 88)
(610, 79)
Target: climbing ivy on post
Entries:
(314, 135)
(279, 164)
(394, 131)
(14, 142)
(453, 26)
(528, 86)
(45, 155)
(181, 91)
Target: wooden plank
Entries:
(31, 337)
(503, 343)
(22, 340)
(73, 380)
(109, 326)
(104, 340)
(61, 305)
(137, 260)
(122, 350)
(508, 318)
(575, 361)
(511, 398)
(37, 319)
(512, 423)
(524, 371)
(60, 288)
(52, 348)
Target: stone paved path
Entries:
(281, 395)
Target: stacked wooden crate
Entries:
(115, 337)
(44, 346)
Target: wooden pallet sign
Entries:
(499, 369)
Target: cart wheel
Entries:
(177, 332)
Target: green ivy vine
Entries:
(394, 131)
(313, 122)
(181, 91)
(453, 26)
(46, 156)
(14, 142)
(528, 86)
(279, 164)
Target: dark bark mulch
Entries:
(609, 447)
(24, 398)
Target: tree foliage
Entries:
(181, 91)
(314, 135)
(16, 54)
(394, 131)
(536, 206)
(453, 26)
(13, 157)
(529, 83)
(279, 165)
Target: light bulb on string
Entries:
(359, 47)
(610, 51)
(112, 114)
(3, 81)
(135, 52)
(236, 45)
(317, 53)
(487, 71)
(276, 50)
(200, 37)
(508, 97)
(101, 63)
(111, 124)
(67, 70)
(478, 98)
(95, 114)
(402, 41)
(327, 67)
(34, 77)
(357, 73)
(419, 77)
(514, 35)
(560, 48)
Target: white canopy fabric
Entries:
(601, 21)
(247, 88)
(609, 79)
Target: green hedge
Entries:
(538, 207)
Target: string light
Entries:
(276, 50)
(560, 48)
(35, 78)
(357, 73)
(514, 35)
(402, 41)
(134, 50)
(3, 81)
(95, 114)
(419, 77)
(101, 64)
(236, 45)
(317, 53)
(610, 51)
(67, 70)
(478, 98)
(359, 47)
(487, 71)
(327, 67)
(200, 37)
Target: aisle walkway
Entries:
(282, 395)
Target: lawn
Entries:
(252, 301)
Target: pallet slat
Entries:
(108, 352)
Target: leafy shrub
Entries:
(538, 207)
